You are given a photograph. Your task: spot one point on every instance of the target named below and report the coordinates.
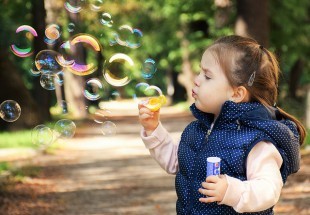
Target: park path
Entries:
(97, 175)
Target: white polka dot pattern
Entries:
(236, 131)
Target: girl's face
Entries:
(211, 88)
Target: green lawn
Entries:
(18, 139)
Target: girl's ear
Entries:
(241, 94)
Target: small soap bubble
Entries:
(148, 68)
(71, 27)
(10, 110)
(93, 89)
(108, 128)
(64, 128)
(74, 6)
(46, 62)
(118, 70)
(134, 41)
(52, 32)
(48, 80)
(106, 19)
(22, 44)
(96, 5)
(41, 135)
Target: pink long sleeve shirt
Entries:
(260, 191)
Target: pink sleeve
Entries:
(162, 148)
(263, 186)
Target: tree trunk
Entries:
(42, 96)
(253, 20)
(13, 88)
(72, 89)
(308, 108)
(295, 75)
(186, 77)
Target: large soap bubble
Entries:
(118, 70)
(22, 45)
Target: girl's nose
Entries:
(196, 80)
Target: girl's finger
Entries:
(207, 192)
(212, 179)
(208, 199)
(209, 186)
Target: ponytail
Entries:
(301, 129)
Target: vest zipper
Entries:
(209, 131)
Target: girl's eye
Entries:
(207, 77)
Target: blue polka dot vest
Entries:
(235, 132)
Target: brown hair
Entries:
(243, 59)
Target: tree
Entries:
(253, 20)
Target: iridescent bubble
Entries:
(64, 128)
(92, 46)
(101, 115)
(93, 89)
(148, 68)
(41, 135)
(10, 110)
(108, 128)
(124, 32)
(46, 62)
(117, 71)
(134, 41)
(33, 70)
(96, 5)
(106, 19)
(22, 45)
(139, 94)
(127, 36)
(65, 56)
(48, 80)
(74, 6)
(149, 95)
(52, 32)
(71, 27)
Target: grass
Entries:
(17, 139)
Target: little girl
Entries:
(237, 120)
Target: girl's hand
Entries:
(148, 119)
(214, 188)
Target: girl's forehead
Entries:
(209, 58)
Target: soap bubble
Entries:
(65, 56)
(92, 46)
(71, 27)
(22, 45)
(10, 110)
(117, 71)
(148, 68)
(106, 19)
(74, 6)
(52, 34)
(46, 62)
(108, 128)
(64, 128)
(41, 135)
(127, 36)
(93, 89)
(48, 80)
(96, 5)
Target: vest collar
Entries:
(232, 111)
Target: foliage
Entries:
(290, 32)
